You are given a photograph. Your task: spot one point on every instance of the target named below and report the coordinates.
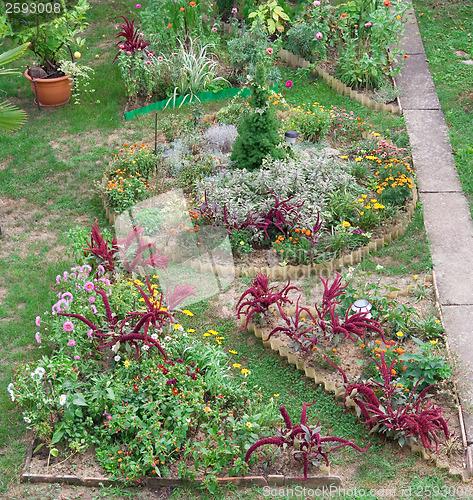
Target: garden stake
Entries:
(155, 133)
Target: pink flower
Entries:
(214, 28)
(319, 35)
(76, 357)
(289, 84)
(138, 6)
(141, 35)
(38, 321)
(234, 10)
(89, 286)
(280, 28)
(71, 343)
(128, 52)
(38, 338)
(368, 25)
(160, 58)
(91, 300)
(148, 63)
(316, 3)
(94, 309)
(121, 46)
(269, 51)
(68, 326)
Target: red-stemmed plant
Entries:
(386, 408)
(258, 298)
(305, 441)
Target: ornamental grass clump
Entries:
(304, 442)
(258, 135)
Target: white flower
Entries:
(145, 347)
(41, 371)
(117, 358)
(379, 267)
(10, 390)
(27, 420)
(62, 399)
(154, 336)
(115, 347)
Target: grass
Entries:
(54, 161)
(447, 27)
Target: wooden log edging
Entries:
(294, 60)
(318, 481)
(278, 273)
(339, 391)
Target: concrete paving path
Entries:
(447, 218)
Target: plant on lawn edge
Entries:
(305, 441)
(326, 324)
(393, 414)
(260, 296)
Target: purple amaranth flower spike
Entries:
(178, 294)
(305, 440)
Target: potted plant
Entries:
(52, 42)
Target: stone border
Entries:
(322, 480)
(339, 391)
(277, 273)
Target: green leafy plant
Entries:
(312, 123)
(271, 15)
(11, 118)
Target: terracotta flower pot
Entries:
(51, 92)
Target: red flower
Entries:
(344, 15)
(175, 391)
(386, 3)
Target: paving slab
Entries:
(431, 151)
(411, 42)
(459, 319)
(449, 230)
(418, 90)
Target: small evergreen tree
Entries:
(258, 134)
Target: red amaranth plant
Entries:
(386, 408)
(114, 333)
(133, 39)
(306, 443)
(143, 255)
(326, 323)
(258, 298)
(104, 250)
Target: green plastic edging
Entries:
(203, 96)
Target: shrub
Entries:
(258, 135)
(221, 137)
(232, 113)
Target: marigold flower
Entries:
(192, 4)
(182, 9)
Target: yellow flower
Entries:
(207, 335)
(236, 365)
(346, 224)
(213, 332)
(364, 196)
(415, 276)
(344, 157)
(233, 352)
(207, 409)
(127, 363)
(358, 159)
(187, 313)
(400, 334)
(248, 424)
(155, 276)
(138, 282)
(177, 326)
(433, 342)
(276, 395)
(219, 338)
(191, 330)
(437, 321)
(245, 371)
